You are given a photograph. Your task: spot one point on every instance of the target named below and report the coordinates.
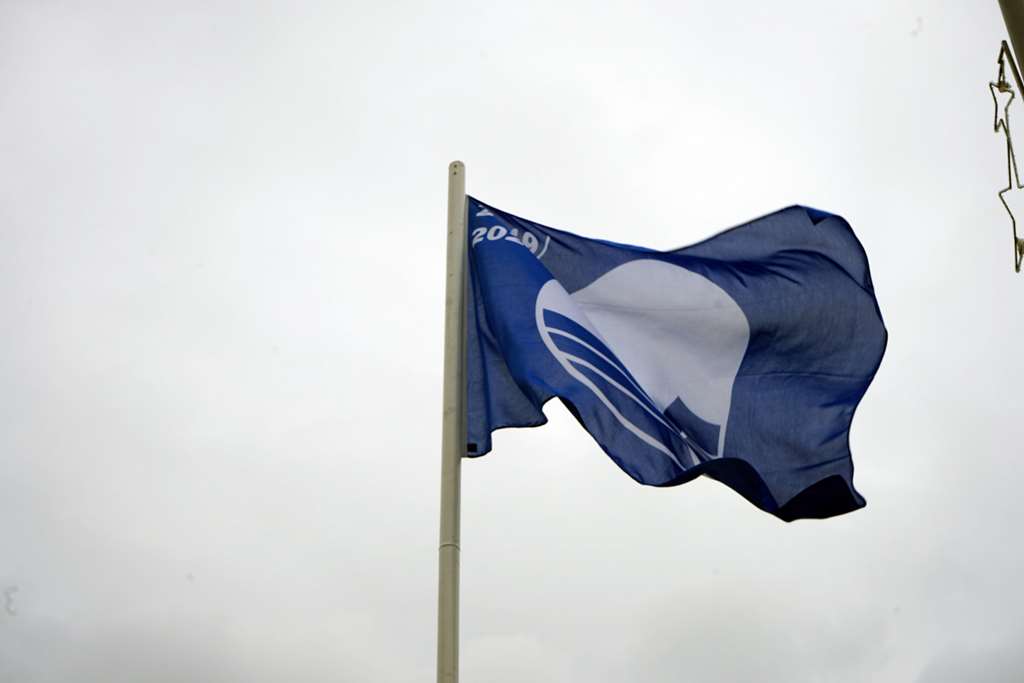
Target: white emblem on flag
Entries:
(664, 338)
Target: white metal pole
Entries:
(453, 433)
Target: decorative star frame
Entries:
(1003, 94)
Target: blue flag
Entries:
(742, 357)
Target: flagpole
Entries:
(453, 431)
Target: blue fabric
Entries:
(742, 357)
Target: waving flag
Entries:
(742, 357)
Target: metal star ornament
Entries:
(1003, 95)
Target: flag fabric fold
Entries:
(742, 357)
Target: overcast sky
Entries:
(221, 270)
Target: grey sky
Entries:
(221, 278)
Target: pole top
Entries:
(456, 167)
